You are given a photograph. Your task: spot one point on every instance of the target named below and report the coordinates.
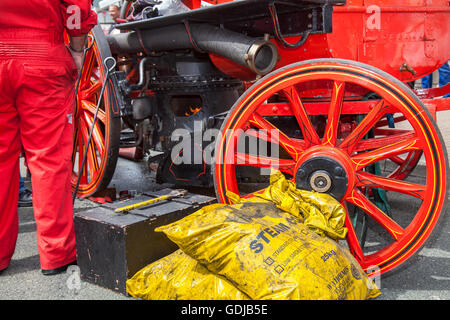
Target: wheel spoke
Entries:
(363, 127)
(358, 199)
(366, 179)
(397, 160)
(390, 132)
(87, 68)
(362, 160)
(81, 144)
(91, 165)
(380, 142)
(84, 134)
(334, 113)
(352, 238)
(284, 165)
(277, 136)
(91, 91)
(383, 123)
(75, 144)
(97, 135)
(265, 137)
(91, 108)
(309, 133)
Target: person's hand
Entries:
(76, 46)
(78, 58)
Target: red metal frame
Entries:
(416, 32)
(382, 33)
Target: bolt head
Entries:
(338, 171)
(301, 173)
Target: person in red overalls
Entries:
(37, 79)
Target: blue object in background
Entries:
(444, 78)
(390, 119)
(21, 185)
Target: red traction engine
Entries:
(328, 82)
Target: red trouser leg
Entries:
(9, 166)
(44, 100)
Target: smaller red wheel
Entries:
(320, 158)
(103, 149)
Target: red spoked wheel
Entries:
(321, 158)
(103, 148)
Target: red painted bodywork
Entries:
(416, 32)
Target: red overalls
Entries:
(37, 77)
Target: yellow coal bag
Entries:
(320, 212)
(269, 254)
(179, 277)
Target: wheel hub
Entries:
(320, 181)
(322, 174)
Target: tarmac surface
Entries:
(427, 277)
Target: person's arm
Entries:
(79, 19)
(78, 43)
(76, 47)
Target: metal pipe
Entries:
(259, 55)
(94, 120)
(142, 79)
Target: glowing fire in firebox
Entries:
(192, 111)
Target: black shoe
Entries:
(59, 270)
(26, 198)
(1, 271)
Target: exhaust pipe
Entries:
(258, 55)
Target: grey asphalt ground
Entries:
(427, 277)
